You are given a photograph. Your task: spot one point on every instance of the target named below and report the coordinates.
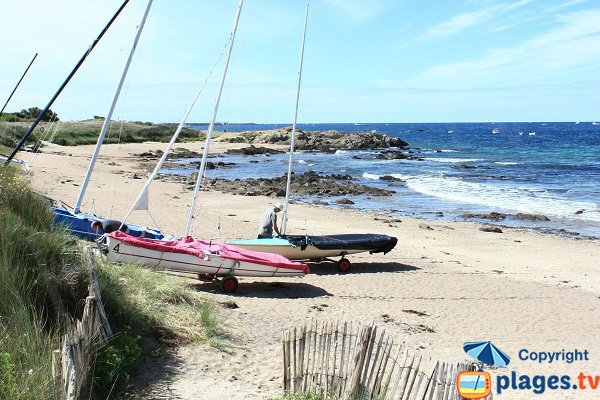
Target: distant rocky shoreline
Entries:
(322, 141)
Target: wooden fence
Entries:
(72, 363)
(346, 361)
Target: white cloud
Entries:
(573, 45)
(564, 5)
(458, 23)
(466, 20)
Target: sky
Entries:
(365, 60)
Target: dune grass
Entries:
(148, 302)
(72, 133)
(141, 302)
(41, 281)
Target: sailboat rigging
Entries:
(208, 258)
(76, 221)
(316, 248)
(18, 83)
(64, 84)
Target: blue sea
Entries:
(537, 168)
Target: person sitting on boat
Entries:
(108, 225)
(268, 222)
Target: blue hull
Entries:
(79, 224)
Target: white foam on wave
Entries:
(453, 160)
(502, 197)
(301, 162)
(370, 176)
(506, 163)
(449, 151)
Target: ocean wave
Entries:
(370, 176)
(453, 160)
(522, 200)
(506, 163)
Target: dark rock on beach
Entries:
(392, 155)
(253, 150)
(178, 152)
(308, 184)
(499, 216)
(344, 201)
(492, 229)
(390, 178)
(493, 215)
(461, 167)
(215, 165)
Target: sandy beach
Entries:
(444, 284)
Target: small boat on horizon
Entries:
(495, 130)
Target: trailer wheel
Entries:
(229, 284)
(344, 265)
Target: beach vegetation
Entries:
(72, 133)
(146, 302)
(41, 281)
(29, 114)
(142, 302)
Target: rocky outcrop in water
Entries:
(253, 150)
(323, 141)
(308, 184)
(500, 216)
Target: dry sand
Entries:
(519, 289)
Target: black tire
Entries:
(344, 265)
(229, 284)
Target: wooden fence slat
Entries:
(400, 371)
(339, 360)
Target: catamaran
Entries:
(315, 248)
(211, 260)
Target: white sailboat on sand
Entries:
(310, 247)
(209, 259)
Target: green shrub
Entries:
(115, 363)
(7, 377)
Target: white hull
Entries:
(296, 253)
(211, 264)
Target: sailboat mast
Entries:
(293, 139)
(108, 118)
(64, 84)
(18, 83)
(212, 123)
(143, 195)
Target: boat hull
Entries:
(210, 264)
(284, 248)
(79, 224)
(319, 247)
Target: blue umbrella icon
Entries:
(487, 353)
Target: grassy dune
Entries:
(72, 133)
(43, 282)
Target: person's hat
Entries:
(279, 205)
